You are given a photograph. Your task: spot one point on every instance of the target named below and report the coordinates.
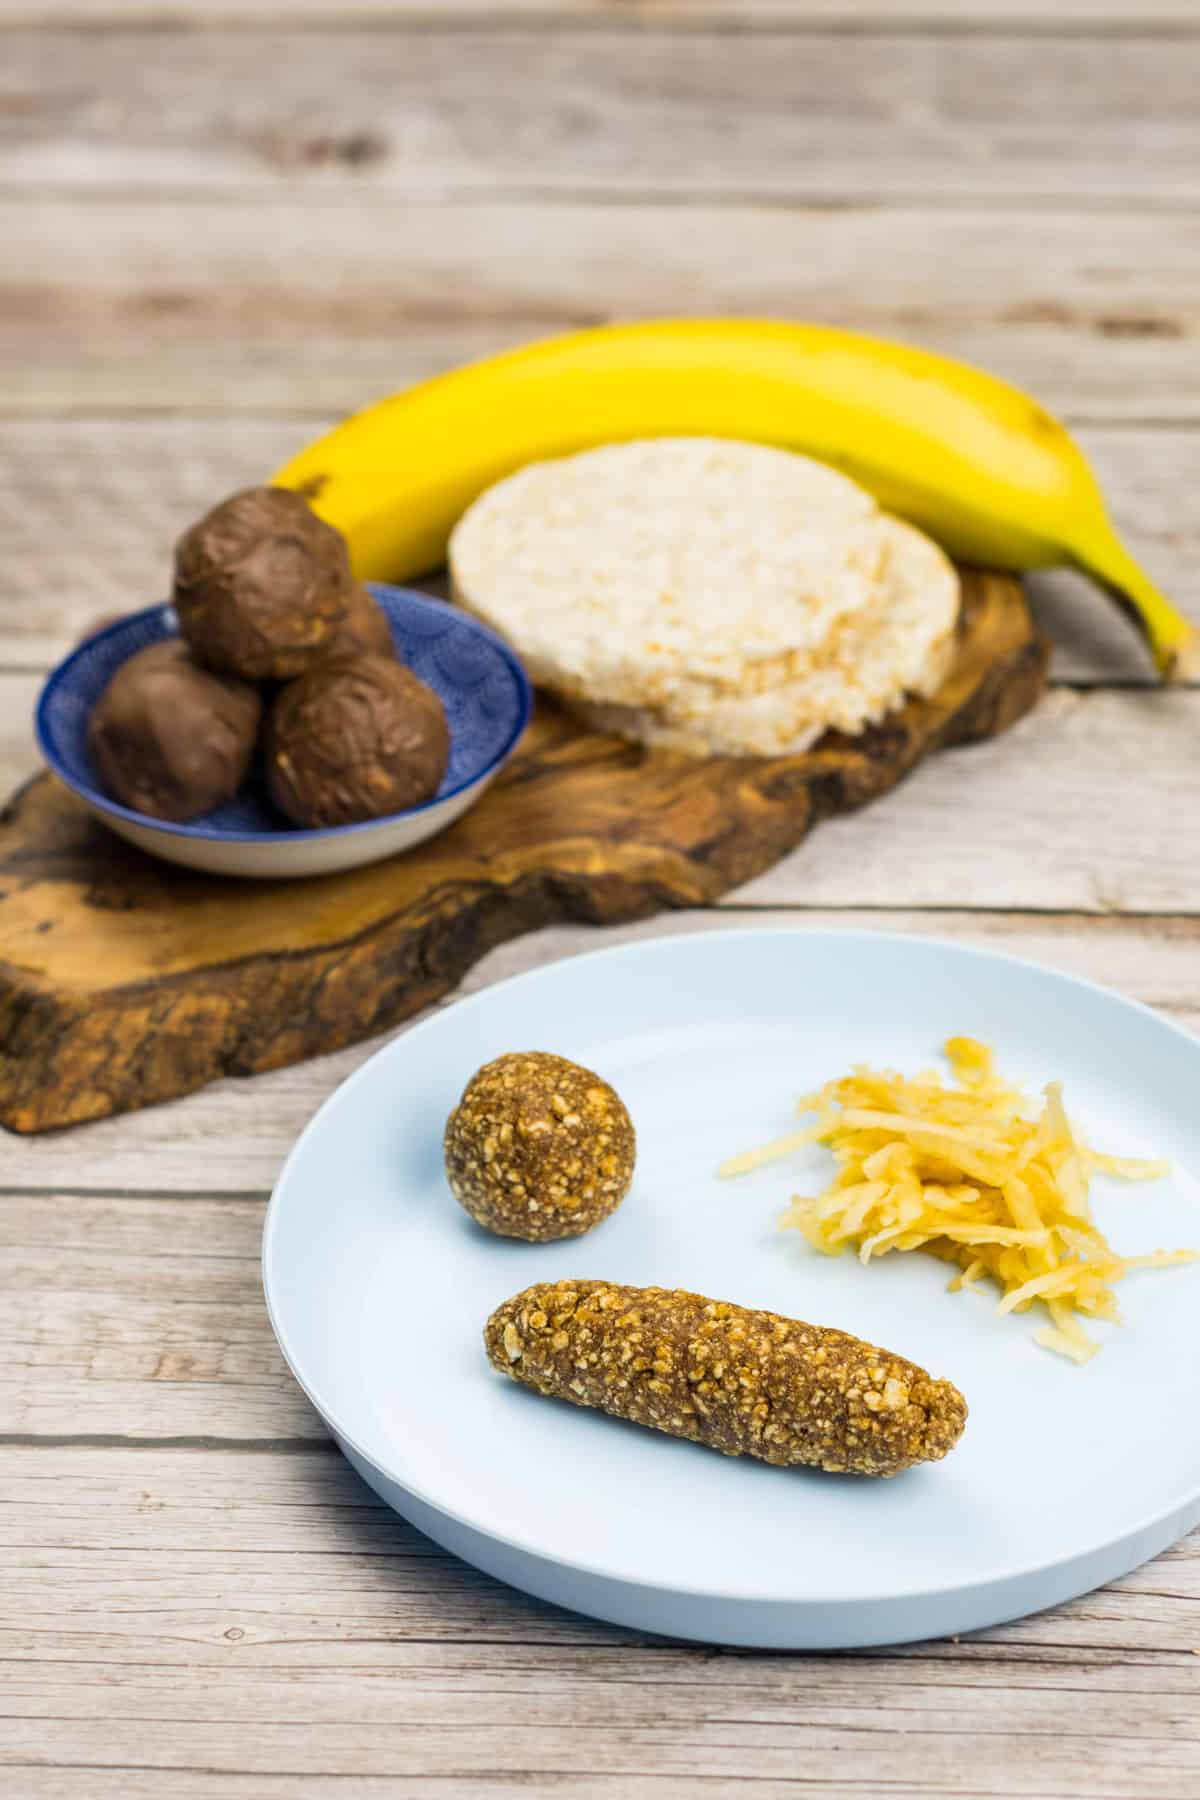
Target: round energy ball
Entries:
(364, 631)
(355, 740)
(171, 739)
(261, 584)
(539, 1148)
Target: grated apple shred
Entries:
(964, 1174)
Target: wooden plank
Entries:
(238, 1501)
(1125, 17)
(530, 1719)
(1054, 822)
(121, 1782)
(310, 305)
(140, 1319)
(343, 1589)
(469, 111)
(232, 1138)
(1140, 1754)
(197, 1784)
(441, 1690)
(225, 1595)
(149, 1783)
(18, 694)
(90, 508)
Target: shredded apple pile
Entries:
(963, 1174)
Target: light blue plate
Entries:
(477, 677)
(378, 1287)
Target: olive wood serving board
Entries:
(125, 981)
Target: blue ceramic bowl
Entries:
(478, 679)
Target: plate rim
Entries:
(989, 1579)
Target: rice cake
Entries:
(901, 643)
(706, 593)
(613, 567)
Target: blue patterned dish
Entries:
(476, 676)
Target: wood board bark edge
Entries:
(124, 982)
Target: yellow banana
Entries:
(975, 463)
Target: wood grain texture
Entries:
(151, 1782)
(130, 486)
(232, 1503)
(18, 696)
(325, 303)
(986, 17)
(214, 1614)
(124, 981)
(535, 1722)
(1037, 836)
(232, 1137)
(697, 114)
(191, 1598)
(117, 1298)
(236, 1502)
(528, 1727)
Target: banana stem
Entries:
(1173, 640)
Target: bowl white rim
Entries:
(102, 803)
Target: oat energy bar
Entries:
(741, 1381)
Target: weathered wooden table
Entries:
(224, 224)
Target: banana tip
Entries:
(1182, 660)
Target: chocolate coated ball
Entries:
(171, 739)
(355, 740)
(363, 632)
(261, 585)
